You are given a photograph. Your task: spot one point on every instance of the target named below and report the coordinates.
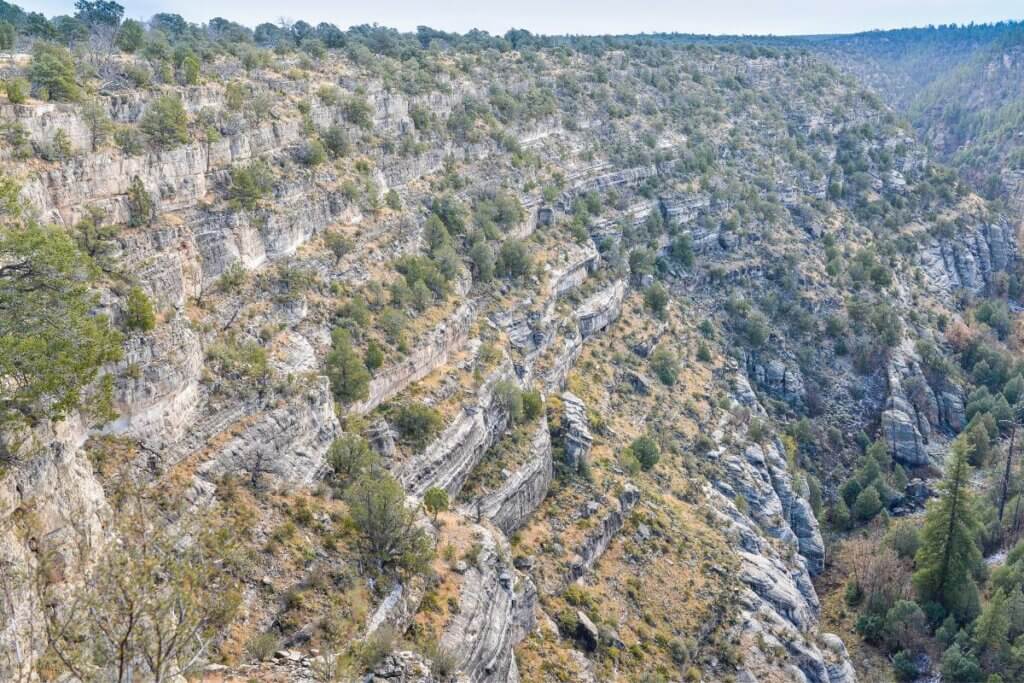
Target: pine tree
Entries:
(1015, 611)
(949, 555)
(992, 630)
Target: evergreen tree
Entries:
(992, 630)
(349, 377)
(949, 555)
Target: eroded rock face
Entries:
(601, 309)
(511, 504)
(432, 352)
(970, 260)
(576, 437)
(918, 416)
(288, 443)
(492, 615)
(779, 611)
(602, 533)
(50, 503)
(448, 461)
(157, 384)
(578, 262)
(780, 379)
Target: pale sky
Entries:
(586, 16)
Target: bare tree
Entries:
(152, 604)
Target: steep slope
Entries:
(610, 301)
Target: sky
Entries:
(586, 16)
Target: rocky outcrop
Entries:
(780, 379)
(759, 475)
(432, 352)
(778, 610)
(575, 431)
(449, 460)
(969, 260)
(917, 415)
(509, 506)
(156, 389)
(287, 443)
(405, 667)
(50, 504)
(577, 262)
(602, 533)
(601, 309)
(493, 603)
(899, 429)
(397, 609)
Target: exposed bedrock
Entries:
(430, 353)
(157, 384)
(50, 503)
(451, 457)
(287, 442)
(601, 309)
(576, 436)
(972, 259)
(918, 414)
(512, 503)
(495, 611)
(602, 533)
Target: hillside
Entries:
(361, 355)
(960, 87)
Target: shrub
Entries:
(17, 90)
(357, 111)
(482, 259)
(392, 200)
(703, 353)
(130, 36)
(867, 505)
(903, 666)
(349, 457)
(533, 405)
(139, 313)
(262, 646)
(960, 667)
(250, 184)
(870, 627)
(129, 140)
(905, 625)
(312, 153)
(435, 500)
(509, 397)
(375, 648)
(165, 122)
(374, 357)
(665, 365)
(513, 259)
(388, 537)
(645, 450)
(656, 299)
(336, 141)
(141, 210)
(417, 423)
(903, 537)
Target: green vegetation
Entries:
(350, 380)
(389, 539)
(165, 122)
(138, 314)
(52, 346)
